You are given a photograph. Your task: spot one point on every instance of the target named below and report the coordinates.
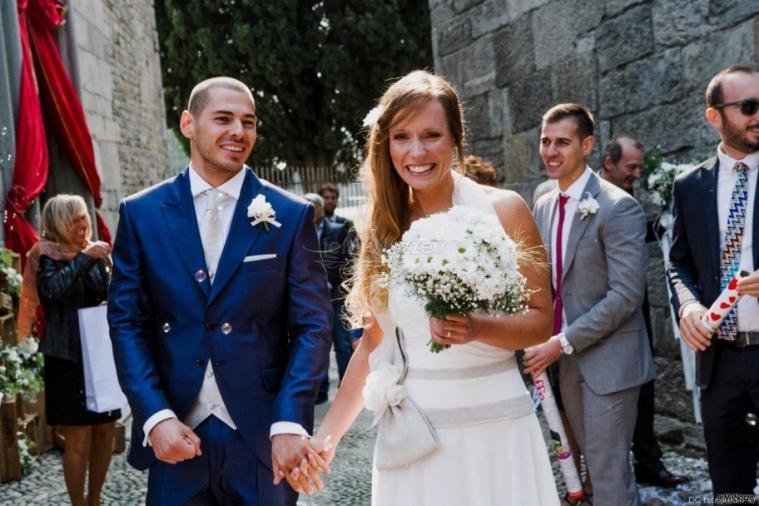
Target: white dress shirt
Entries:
(574, 192)
(209, 401)
(748, 307)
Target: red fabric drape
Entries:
(39, 18)
(30, 168)
(59, 95)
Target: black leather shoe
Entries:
(659, 478)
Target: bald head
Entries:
(623, 162)
(200, 93)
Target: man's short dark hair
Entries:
(614, 148)
(714, 89)
(329, 187)
(583, 118)
(199, 94)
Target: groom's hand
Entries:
(173, 441)
(293, 459)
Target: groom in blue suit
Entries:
(220, 319)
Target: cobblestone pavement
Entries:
(348, 485)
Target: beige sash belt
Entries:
(479, 371)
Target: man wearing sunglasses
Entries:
(716, 235)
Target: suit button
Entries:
(200, 363)
(210, 325)
(226, 328)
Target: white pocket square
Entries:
(258, 258)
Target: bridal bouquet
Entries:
(458, 262)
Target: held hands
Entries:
(455, 329)
(294, 459)
(98, 249)
(693, 332)
(173, 441)
(538, 358)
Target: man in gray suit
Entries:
(594, 233)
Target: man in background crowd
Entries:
(480, 170)
(714, 237)
(622, 166)
(330, 194)
(337, 248)
(594, 235)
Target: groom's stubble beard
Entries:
(229, 169)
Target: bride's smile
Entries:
(421, 147)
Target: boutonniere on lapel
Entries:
(260, 211)
(587, 206)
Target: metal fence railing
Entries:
(352, 203)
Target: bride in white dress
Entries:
(465, 432)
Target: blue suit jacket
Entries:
(166, 320)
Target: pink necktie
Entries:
(558, 304)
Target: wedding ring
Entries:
(448, 335)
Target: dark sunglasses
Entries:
(748, 106)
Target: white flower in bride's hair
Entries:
(260, 211)
(587, 206)
(373, 116)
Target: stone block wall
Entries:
(116, 66)
(640, 65)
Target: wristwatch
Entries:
(566, 348)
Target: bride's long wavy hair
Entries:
(389, 197)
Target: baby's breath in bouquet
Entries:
(458, 262)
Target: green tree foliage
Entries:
(315, 67)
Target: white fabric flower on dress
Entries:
(373, 116)
(382, 389)
(260, 211)
(587, 206)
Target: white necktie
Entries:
(209, 400)
(211, 231)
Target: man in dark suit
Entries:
(330, 194)
(337, 248)
(622, 165)
(220, 319)
(716, 234)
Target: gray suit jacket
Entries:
(603, 285)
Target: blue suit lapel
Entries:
(179, 212)
(241, 235)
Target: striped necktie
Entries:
(731, 246)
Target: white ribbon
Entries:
(265, 220)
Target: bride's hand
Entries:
(454, 329)
(312, 467)
(326, 449)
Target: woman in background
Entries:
(66, 272)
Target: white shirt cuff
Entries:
(154, 420)
(278, 428)
(686, 304)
